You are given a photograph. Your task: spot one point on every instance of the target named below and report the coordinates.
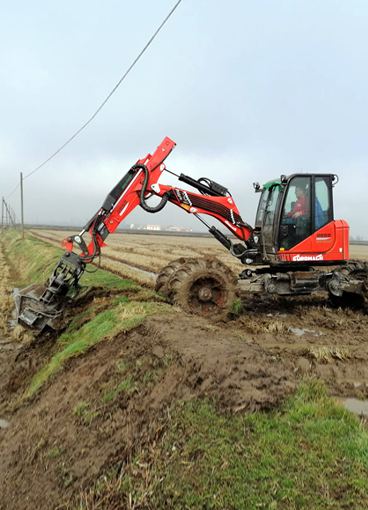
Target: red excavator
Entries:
(295, 233)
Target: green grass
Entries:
(85, 413)
(79, 319)
(126, 386)
(35, 263)
(104, 325)
(310, 454)
(133, 375)
(36, 260)
(53, 453)
(237, 306)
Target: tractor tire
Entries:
(347, 300)
(359, 270)
(205, 287)
(167, 272)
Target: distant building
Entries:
(180, 229)
(171, 228)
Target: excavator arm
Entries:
(38, 306)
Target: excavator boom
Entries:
(39, 306)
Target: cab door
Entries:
(270, 221)
(307, 208)
(296, 215)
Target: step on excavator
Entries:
(294, 236)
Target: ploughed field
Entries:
(135, 404)
(149, 252)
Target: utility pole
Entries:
(6, 215)
(21, 202)
(13, 216)
(2, 215)
(9, 215)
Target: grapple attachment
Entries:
(38, 306)
(33, 312)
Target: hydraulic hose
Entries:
(143, 191)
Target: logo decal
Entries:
(323, 237)
(122, 207)
(301, 258)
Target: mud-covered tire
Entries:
(167, 272)
(347, 300)
(205, 287)
(357, 269)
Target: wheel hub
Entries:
(204, 294)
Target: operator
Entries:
(301, 205)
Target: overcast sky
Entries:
(247, 89)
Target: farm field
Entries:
(136, 404)
(152, 252)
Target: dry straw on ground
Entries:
(329, 353)
(6, 301)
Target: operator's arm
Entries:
(300, 208)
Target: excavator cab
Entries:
(295, 221)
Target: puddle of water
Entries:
(4, 424)
(140, 270)
(356, 406)
(301, 332)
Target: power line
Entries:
(14, 190)
(111, 93)
(105, 101)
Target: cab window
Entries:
(271, 204)
(262, 207)
(323, 207)
(296, 215)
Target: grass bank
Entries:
(125, 308)
(33, 261)
(309, 454)
(121, 317)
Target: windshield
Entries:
(267, 205)
(271, 204)
(262, 207)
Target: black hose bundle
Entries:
(143, 191)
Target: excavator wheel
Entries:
(347, 300)
(168, 271)
(358, 270)
(203, 286)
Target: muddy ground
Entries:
(71, 433)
